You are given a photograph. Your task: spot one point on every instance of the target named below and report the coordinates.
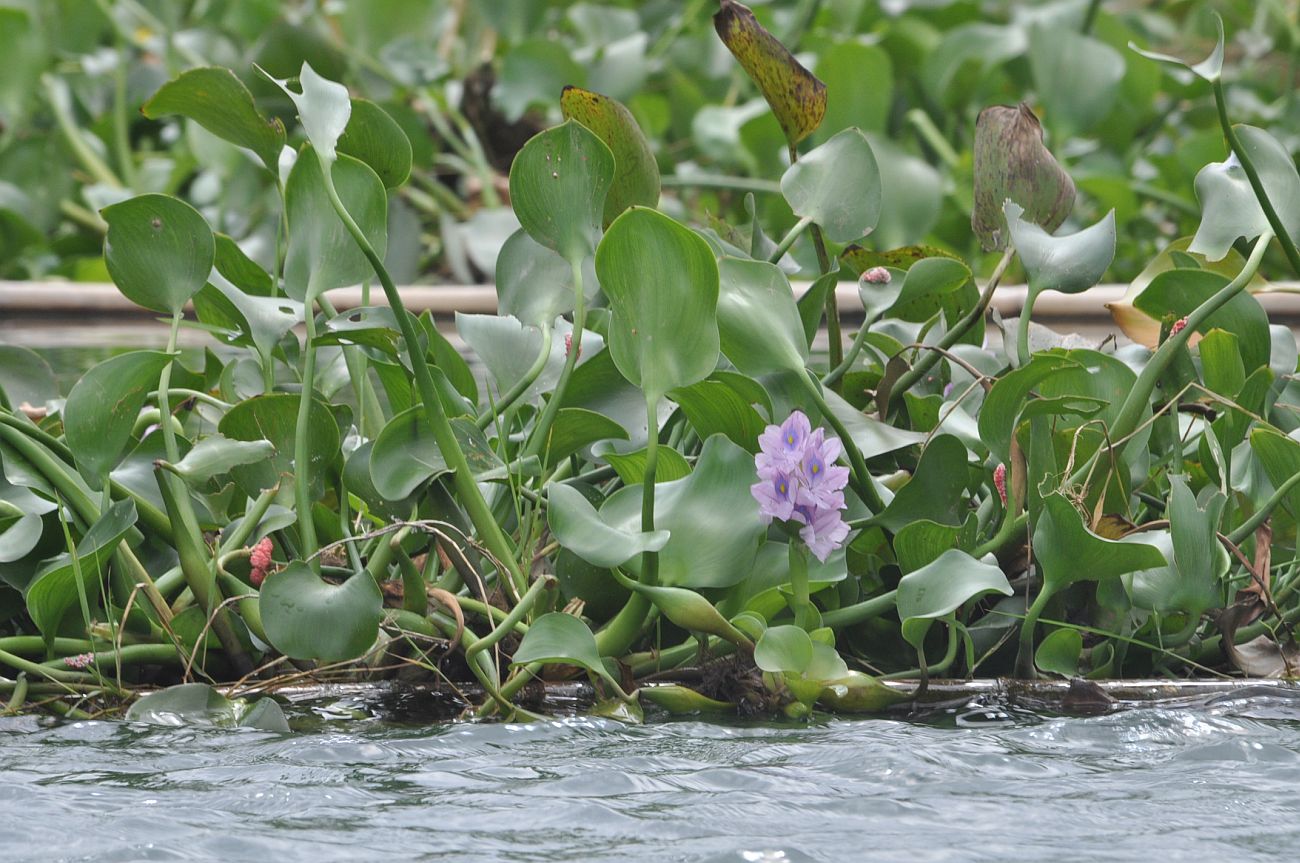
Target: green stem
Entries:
(253, 514)
(520, 386)
(121, 131)
(650, 559)
(861, 478)
(926, 361)
(302, 449)
(859, 341)
(720, 181)
(800, 600)
(933, 137)
(835, 348)
(467, 489)
(1259, 516)
(1090, 16)
(540, 439)
(56, 92)
(788, 240)
(927, 671)
(517, 614)
(1022, 330)
(1256, 184)
(1025, 656)
(868, 609)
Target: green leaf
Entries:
(534, 284)
(1070, 264)
(219, 102)
(561, 638)
(1068, 552)
(102, 408)
(680, 700)
(936, 490)
(1179, 292)
(259, 321)
(509, 349)
(405, 454)
(662, 283)
(1060, 57)
(216, 454)
(197, 704)
(859, 83)
(1199, 558)
(579, 528)
(307, 618)
(323, 108)
(1229, 208)
(375, 138)
(712, 407)
(1011, 163)
(159, 251)
(532, 73)
(54, 590)
(941, 587)
(837, 185)
(711, 515)
(558, 185)
(576, 428)
(25, 377)
(1059, 652)
(857, 692)
(322, 254)
(872, 437)
(273, 418)
(812, 305)
(797, 98)
(783, 649)
(636, 173)
(758, 323)
(926, 278)
(1210, 69)
(241, 270)
(922, 542)
(630, 466)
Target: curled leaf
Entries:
(1012, 163)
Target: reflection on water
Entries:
(980, 783)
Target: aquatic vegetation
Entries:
(678, 488)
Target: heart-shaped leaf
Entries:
(1011, 163)
(1068, 264)
(636, 173)
(197, 704)
(219, 102)
(1067, 551)
(783, 649)
(758, 323)
(102, 408)
(928, 277)
(375, 138)
(307, 618)
(1229, 208)
(837, 185)
(1059, 652)
(583, 531)
(561, 638)
(159, 251)
(405, 454)
(941, 587)
(936, 489)
(797, 97)
(662, 283)
(558, 185)
(273, 418)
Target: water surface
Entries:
(980, 783)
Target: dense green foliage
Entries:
(615, 498)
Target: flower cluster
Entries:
(260, 561)
(80, 661)
(799, 481)
(1178, 327)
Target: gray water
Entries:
(1214, 782)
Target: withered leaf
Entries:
(1012, 163)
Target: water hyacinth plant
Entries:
(655, 484)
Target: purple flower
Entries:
(824, 533)
(800, 482)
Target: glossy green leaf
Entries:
(509, 350)
(323, 108)
(1229, 208)
(579, 528)
(54, 590)
(241, 270)
(577, 428)
(159, 251)
(219, 102)
(941, 587)
(936, 490)
(630, 466)
(711, 515)
(259, 321)
(273, 418)
(925, 278)
(102, 409)
(406, 455)
(216, 454)
(25, 377)
(534, 284)
(796, 96)
(21, 525)
(1011, 163)
(1179, 292)
(712, 407)
(373, 137)
(561, 638)
(197, 704)
(322, 254)
(558, 185)
(1210, 69)
(785, 649)
(837, 185)
(1067, 551)
(872, 437)
(1068, 264)
(812, 305)
(758, 323)
(662, 283)
(307, 618)
(1059, 652)
(636, 173)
